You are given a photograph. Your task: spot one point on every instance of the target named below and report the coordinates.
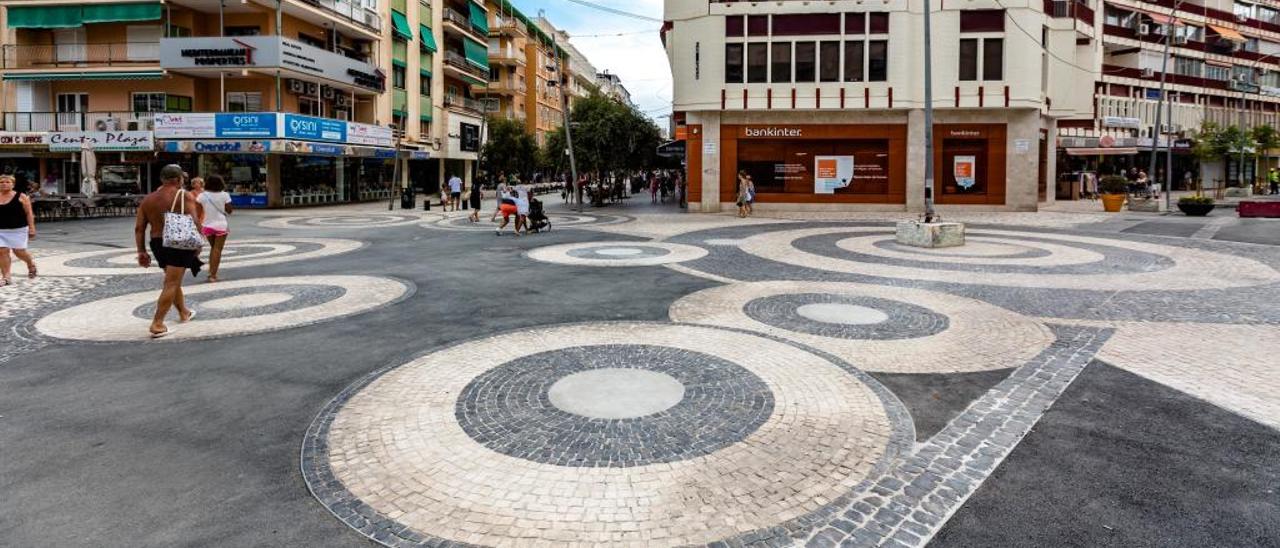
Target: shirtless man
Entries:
(174, 261)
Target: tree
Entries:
(607, 136)
(1265, 139)
(509, 148)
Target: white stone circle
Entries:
(1193, 269)
(355, 220)
(247, 300)
(559, 254)
(980, 336)
(619, 251)
(277, 250)
(616, 393)
(112, 319)
(981, 248)
(844, 314)
(397, 446)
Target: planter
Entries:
(1195, 210)
(1239, 192)
(1112, 203)
(1147, 206)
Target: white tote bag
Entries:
(179, 228)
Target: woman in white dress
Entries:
(216, 204)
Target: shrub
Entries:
(1113, 184)
(1196, 200)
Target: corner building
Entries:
(822, 103)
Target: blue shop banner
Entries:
(246, 124)
(331, 150)
(310, 128)
(258, 199)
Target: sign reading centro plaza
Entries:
(269, 125)
(276, 52)
(771, 132)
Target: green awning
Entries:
(400, 26)
(477, 53)
(121, 13)
(428, 40)
(399, 113)
(479, 18)
(473, 81)
(399, 63)
(45, 17)
(114, 75)
(424, 73)
(425, 117)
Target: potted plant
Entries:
(1113, 188)
(1195, 206)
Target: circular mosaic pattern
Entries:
(228, 308)
(510, 409)
(615, 393)
(559, 219)
(363, 220)
(399, 448)
(235, 254)
(1013, 259)
(925, 331)
(842, 314)
(892, 319)
(617, 253)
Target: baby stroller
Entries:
(538, 220)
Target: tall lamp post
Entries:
(929, 215)
(1156, 130)
(567, 120)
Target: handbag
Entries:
(179, 228)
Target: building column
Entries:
(709, 151)
(1022, 170)
(275, 195)
(915, 161)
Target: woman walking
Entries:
(216, 206)
(474, 201)
(17, 227)
(751, 195)
(743, 193)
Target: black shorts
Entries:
(168, 256)
(455, 195)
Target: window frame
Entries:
(741, 64)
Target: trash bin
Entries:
(407, 200)
(426, 205)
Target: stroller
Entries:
(538, 220)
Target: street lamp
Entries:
(1157, 130)
(558, 70)
(929, 215)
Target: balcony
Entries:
(114, 54)
(507, 27)
(77, 121)
(457, 62)
(505, 86)
(459, 102)
(509, 56)
(454, 19)
(348, 12)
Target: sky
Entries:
(637, 57)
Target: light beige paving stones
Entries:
(396, 445)
(261, 252)
(612, 253)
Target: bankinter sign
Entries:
(772, 132)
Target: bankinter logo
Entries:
(773, 132)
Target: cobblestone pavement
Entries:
(646, 379)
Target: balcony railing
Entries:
(458, 62)
(509, 27)
(78, 121)
(507, 55)
(115, 54)
(462, 21)
(350, 11)
(465, 103)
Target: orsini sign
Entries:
(772, 132)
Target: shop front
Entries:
(815, 164)
(970, 164)
(53, 163)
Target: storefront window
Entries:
(120, 179)
(373, 177)
(964, 166)
(309, 180)
(789, 166)
(830, 62)
(245, 174)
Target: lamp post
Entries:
(929, 215)
(1156, 130)
(566, 121)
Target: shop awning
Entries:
(1227, 33)
(400, 26)
(45, 17)
(427, 41)
(424, 73)
(1159, 18)
(121, 13)
(1116, 151)
(477, 53)
(112, 75)
(479, 18)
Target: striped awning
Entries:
(1227, 33)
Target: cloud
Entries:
(639, 59)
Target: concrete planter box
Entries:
(1239, 192)
(1146, 206)
(918, 234)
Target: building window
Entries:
(757, 63)
(968, 59)
(829, 62)
(734, 26)
(854, 60)
(780, 59)
(805, 24)
(757, 25)
(1187, 66)
(733, 63)
(397, 77)
(855, 23)
(424, 86)
(1243, 10)
(470, 137)
(877, 60)
(806, 61)
(1244, 74)
(148, 102)
(309, 106)
(1215, 72)
(982, 21)
(249, 101)
(992, 56)
(242, 31)
(1270, 80)
(877, 23)
(311, 41)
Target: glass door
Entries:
(71, 110)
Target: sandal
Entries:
(5, 281)
(160, 334)
(31, 273)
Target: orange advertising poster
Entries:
(827, 168)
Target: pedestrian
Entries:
(474, 199)
(169, 198)
(197, 188)
(653, 189)
(503, 190)
(742, 194)
(215, 204)
(17, 228)
(444, 196)
(522, 209)
(1273, 181)
(508, 208)
(751, 195)
(455, 192)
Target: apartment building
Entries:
(611, 85)
(282, 99)
(582, 81)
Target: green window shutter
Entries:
(477, 54)
(425, 108)
(45, 17)
(400, 26)
(399, 63)
(399, 51)
(399, 5)
(427, 40)
(121, 13)
(479, 18)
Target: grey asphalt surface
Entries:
(1123, 461)
(934, 400)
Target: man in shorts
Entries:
(507, 209)
(455, 192)
(175, 262)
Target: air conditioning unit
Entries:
(341, 100)
(371, 19)
(144, 124)
(1148, 73)
(106, 124)
(297, 86)
(1144, 29)
(1170, 128)
(313, 88)
(1179, 40)
(327, 92)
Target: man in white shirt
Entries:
(455, 192)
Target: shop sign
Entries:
(302, 147)
(219, 147)
(965, 171)
(412, 154)
(21, 139)
(831, 172)
(212, 52)
(1021, 146)
(184, 125)
(249, 200)
(245, 124)
(367, 134)
(74, 141)
(310, 128)
(1121, 122)
(772, 132)
(966, 133)
(239, 55)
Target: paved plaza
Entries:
(638, 376)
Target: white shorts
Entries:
(14, 238)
